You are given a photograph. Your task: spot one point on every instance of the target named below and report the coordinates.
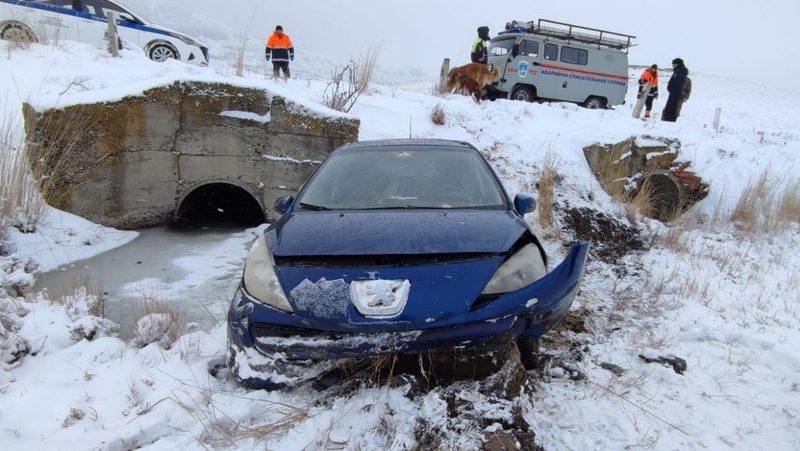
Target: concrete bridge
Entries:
(190, 149)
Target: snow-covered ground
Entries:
(724, 299)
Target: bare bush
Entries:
(437, 115)
(754, 201)
(766, 204)
(789, 203)
(348, 83)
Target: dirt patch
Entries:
(611, 239)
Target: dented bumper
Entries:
(530, 311)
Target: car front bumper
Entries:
(257, 330)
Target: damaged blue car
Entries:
(395, 246)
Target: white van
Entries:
(85, 21)
(552, 60)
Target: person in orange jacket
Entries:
(649, 80)
(281, 50)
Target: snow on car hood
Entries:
(394, 232)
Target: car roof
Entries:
(409, 142)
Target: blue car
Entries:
(395, 246)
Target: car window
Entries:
(403, 177)
(501, 46)
(550, 52)
(574, 55)
(529, 48)
(101, 7)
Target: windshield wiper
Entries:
(313, 207)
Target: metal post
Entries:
(443, 75)
(717, 114)
(113, 40)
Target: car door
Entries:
(56, 21)
(92, 26)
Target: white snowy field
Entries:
(720, 295)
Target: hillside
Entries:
(718, 289)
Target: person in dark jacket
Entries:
(281, 50)
(480, 48)
(675, 88)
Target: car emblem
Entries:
(379, 298)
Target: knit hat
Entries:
(483, 29)
(279, 28)
(677, 61)
(654, 67)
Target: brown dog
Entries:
(468, 86)
(478, 73)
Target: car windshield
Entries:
(501, 46)
(403, 177)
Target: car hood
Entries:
(417, 232)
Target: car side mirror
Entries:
(283, 203)
(515, 50)
(524, 203)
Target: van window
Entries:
(529, 48)
(574, 56)
(501, 46)
(550, 52)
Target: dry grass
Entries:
(21, 205)
(546, 185)
(238, 62)
(55, 141)
(350, 82)
(767, 204)
(157, 322)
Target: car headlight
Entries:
(187, 40)
(521, 269)
(260, 279)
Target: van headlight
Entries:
(521, 269)
(260, 279)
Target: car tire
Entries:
(522, 93)
(529, 352)
(595, 103)
(17, 32)
(161, 52)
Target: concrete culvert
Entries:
(218, 204)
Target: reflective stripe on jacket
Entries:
(280, 48)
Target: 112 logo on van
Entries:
(523, 69)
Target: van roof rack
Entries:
(571, 32)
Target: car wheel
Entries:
(528, 352)
(523, 93)
(594, 103)
(17, 32)
(162, 52)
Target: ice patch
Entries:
(247, 115)
(323, 298)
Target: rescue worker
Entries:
(649, 80)
(480, 48)
(675, 89)
(281, 50)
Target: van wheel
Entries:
(595, 103)
(17, 32)
(161, 52)
(523, 93)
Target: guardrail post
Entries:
(113, 40)
(443, 75)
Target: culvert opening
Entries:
(219, 204)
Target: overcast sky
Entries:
(748, 40)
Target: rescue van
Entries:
(549, 60)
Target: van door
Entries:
(552, 84)
(523, 69)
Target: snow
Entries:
(726, 300)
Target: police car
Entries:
(85, 21)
